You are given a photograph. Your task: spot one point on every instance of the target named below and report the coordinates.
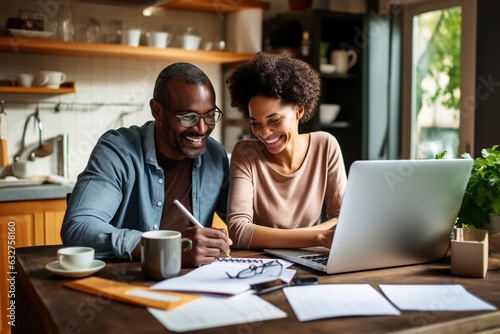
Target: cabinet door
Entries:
(15, 231)
(52, 227)
(24, 224)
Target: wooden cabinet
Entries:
(342, 31)
(22, 224)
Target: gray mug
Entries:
(161, 253)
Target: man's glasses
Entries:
(191, 118)
(272, 268)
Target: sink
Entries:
(52, 164)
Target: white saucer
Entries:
(30, 33)
(56, 268)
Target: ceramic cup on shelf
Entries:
(190, 41)
(132, 37)
(158, 39)
(161, 253)
(41, 79)
(25, 79)
(75, 258)
(343, 60)
(50, 79)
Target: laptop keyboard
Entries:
(318, 258)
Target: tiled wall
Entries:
(98, 80)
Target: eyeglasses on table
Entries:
(272, 268)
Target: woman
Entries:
(280, 181)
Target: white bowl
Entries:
(327, 68)
(328, 113)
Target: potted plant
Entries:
(481, 203)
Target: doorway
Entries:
(438, 70)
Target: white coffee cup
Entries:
(75, 258)
(191, 42)
(25, 79)
(161, 253)
(158, 39)
(132, 37)
(52, 79)
(343, 60)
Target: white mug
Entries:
(132, 37)
(51, 79)
(158, 39)
(161, 253)
(25, 79)
(343, 60)
(191, 42)
(75, 258)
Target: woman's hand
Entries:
(326, 236)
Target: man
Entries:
(134, 174)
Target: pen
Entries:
(271, 289)
(190, 216)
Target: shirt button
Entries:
(155, 227)
(158, 203)
(160, 181)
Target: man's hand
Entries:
(208, 243)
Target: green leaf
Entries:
(440, 155)
(482, 195)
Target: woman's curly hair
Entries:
(282, 77)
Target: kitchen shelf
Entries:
(52, 47)
(335, 75)
(222, 7)
(336, 125)
(66, 88)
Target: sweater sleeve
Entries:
(241, 194)
(336, 179)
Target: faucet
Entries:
(43, 149)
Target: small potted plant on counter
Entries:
(481, 204)
(481, 201)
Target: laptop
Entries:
(394, 213)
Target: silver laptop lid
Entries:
(397, 212)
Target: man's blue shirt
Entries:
(120, 193)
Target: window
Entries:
(438, 71)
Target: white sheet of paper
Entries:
(441, 297)
(209, 312)
(212, 278)
(337, 300)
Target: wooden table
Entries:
(43, 305)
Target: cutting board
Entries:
(4, 155)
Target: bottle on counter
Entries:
(305, 44)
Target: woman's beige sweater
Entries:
(259, 195)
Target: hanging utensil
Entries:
(4, 155)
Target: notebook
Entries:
(394, 213)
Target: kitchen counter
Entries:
(38, 192)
